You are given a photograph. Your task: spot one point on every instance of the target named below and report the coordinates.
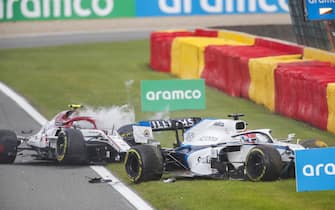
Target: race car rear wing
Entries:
(127, 131)
(171, 124)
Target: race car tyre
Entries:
(144, 163)
(263, 163)
(288, 171)
(313, 143)
(70, 147)
(8, 146)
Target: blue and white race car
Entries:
(214, 148)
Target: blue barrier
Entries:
(319, 10)
(145, 8)
(20, 10)
(315, 169)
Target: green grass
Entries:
(190, 194)
(95, 74)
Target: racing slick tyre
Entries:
(263, 163)
(8, 146)
(144, 163)
(70, 147)
(313, 143)
(288, 171)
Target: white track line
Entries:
(23, 104)
(130, 195)
(127, 193)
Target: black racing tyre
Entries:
(8, 146)
(71, 147)
(288, 171)
(313, 143)
(144, 163)
(263, 163)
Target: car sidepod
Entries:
(199, 161)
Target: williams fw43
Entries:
(68, 138)
(213, 148)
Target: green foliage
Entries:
(95, 75)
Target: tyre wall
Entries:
(292, 80)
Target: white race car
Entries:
(68, 138)
(215, 148)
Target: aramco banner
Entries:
(319, 9)
(209, 7)
(14, 10)
(17, 10)
(161, 95)
(315, 169)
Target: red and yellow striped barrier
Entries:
(233, 76)
(187, 55)
(262, 81)
(298, 82)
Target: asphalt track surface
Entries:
(31, 184)
(14, 118)
(283, 32)
(71, 38)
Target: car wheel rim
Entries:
(256, 165)
(61, 147)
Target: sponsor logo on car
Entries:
(161, 124)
